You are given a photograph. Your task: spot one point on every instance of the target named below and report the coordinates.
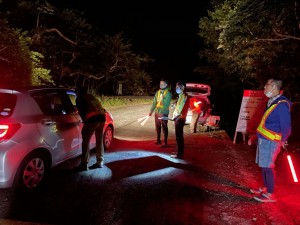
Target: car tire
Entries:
(107, 137)
(32, 172)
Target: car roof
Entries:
(32, 88)
(198, 85)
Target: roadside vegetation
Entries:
(112, 102)
(41, 44)
(249, 41)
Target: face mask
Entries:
(269, 93)
(178, 90)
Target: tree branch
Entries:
(74, 55)
(60, 34)
(283, 37)
(4, 59)
(1, 57)
(87, 75)
(115, 64)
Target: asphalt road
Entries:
(69, 198)
(141, 184)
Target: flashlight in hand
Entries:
(289, 158)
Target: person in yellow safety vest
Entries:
(272, 133)
(93, 116)
(179, 118)
(161, 107)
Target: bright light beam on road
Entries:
(142, 118)
(143, 123)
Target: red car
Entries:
(199, 94)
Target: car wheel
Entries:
(107, 137)
(32, 172)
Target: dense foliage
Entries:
(253, 40)
(14, 56)
(246, 41)
(58, 46)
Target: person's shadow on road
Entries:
(137, 166)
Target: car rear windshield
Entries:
(195, 91)
(7, 104)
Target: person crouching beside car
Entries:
(93, 116)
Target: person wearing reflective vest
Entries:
(93, 116)
(161, 107)
(179, 118)
(272, 133)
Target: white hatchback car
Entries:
(39, 128)
(200, 92)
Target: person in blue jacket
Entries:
(272, 134)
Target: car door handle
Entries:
(47, 122)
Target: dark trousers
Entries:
(87, 131)
(194, 121)
(179, 124)
(161, 124)
(268, 179)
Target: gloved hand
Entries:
(175, 116)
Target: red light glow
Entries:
(292, 168)
(197, 104)
(3, 130)
(7, 131)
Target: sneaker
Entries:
(258, 191)
(81, 167)
(96, 166)
(265, 197)
(157, 142)
(176, 156)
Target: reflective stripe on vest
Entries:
(261, 129)
(160, 97)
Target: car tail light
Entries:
(8, 130)
(195, 104)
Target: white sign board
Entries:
(251, 111)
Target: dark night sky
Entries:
(167, 33)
